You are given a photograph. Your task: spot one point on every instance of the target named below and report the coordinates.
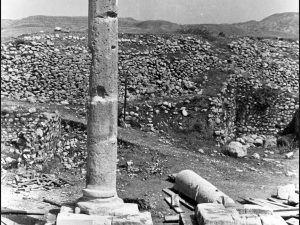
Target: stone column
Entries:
(100, 193)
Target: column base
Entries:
(82, 219)
(102, 206)
(103, 212)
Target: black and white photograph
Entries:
(150, 112)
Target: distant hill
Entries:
(6, 23)
(160, 26)
(278, 25)
(76, 22)
(281, 24)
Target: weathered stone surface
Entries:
(213, 214)
(192, 185)
(292, 221)
(283, 192)
(100, 206)
(247, 219)
(293, 199)
(256, 156)
(100, 196)
(188, 219)
(66, 209)
(146, 218)
(82, 219)
(289, 155)
(236, 149)
(271, 220)
(36, 142)
(254, 209)
(138, 219)
(270, 141)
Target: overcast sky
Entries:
(179, 11)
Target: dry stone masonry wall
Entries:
(31, 134)
(55, 68)
(263, 91)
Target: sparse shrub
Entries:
(221, 34)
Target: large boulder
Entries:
(236, 149)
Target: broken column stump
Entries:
(100, 199)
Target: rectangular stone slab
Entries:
(213, 214)
(83, 219)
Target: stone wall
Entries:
(55, 68)
(28, 136)
(243, 107)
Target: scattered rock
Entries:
(256, 156)
(200, 150)
(292, 221)
(270, 142)
(289, 155)
(284, 192)
(293, 199)
(236, 149)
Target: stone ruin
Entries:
(100, 200)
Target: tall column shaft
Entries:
(103, 100)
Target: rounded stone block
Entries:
(100, 206)
(195, 187)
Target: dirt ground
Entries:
(152, 161)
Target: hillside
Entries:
(285, 25)
(281, 24)
(158, 26)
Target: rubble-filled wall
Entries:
(247, 108)
(263, 109)
(55, 68)
(30, 134)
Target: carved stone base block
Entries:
(143, 218)
(105, 206)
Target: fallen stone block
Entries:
(246, 219)
(140, 219)
(128, 208)
(239, 219)
(254, 209)
(146, 218)
(271, 220)
(213, 214)
(293, 199)
(82, 219)
(188, 219)
(174, 218)
(126, 220)
(283, 192)
(143, 218)
(289, 155)
(66, 209)
(236, 149)
(292, 221)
